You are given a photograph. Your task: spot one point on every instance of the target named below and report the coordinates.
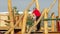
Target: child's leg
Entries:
(38, 25)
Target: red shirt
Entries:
(36, 12)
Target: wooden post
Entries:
(59, 11)
(14, 14)
(18, 32)
(0, 20)
(37, 4)
(59, 8)
(25, 17)
(20, 22)
(11, 15)
(34, 29)
(14, 26)
(16, 19)
(24, 22)
(53, 22)
(46, 23)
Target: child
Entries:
(36, 15)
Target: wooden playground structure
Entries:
(20, 24)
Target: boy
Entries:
(36, 15)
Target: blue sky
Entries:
(22, 4)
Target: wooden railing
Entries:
(44, 13)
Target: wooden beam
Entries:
(20, 24)
(4, 28)
(37, 4)
(25, 17)
(53, 22)
(51, 5)
(6, 15)
(3, 14)
(42, 28)
(0, 20)
(10, 15)
(7, 28)
(14, 26)
(30, 4)
(59, 8)
(19, 32)
(24, 22)
(46, 23)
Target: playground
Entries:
(15, 23)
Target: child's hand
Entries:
(34, 17)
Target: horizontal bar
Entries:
(50, 19)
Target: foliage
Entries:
(29, 21)
(16, 11)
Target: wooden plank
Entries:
(3, 14)
(42, 28)
(4, 28)
(12, 28)
(7, 28)
(59, 8)
(43, 33)
(48, 19)
(0, 21)
(24, 22)
(53, 23)
(46, 23)
(19, 32)
(37, 5)
(10, 15)
(59, 11)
